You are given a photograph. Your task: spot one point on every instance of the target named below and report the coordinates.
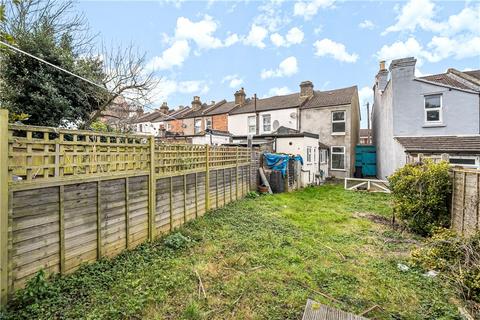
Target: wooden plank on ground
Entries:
(318, 311)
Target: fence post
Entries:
(3, 206)
(152, 194)
(207, 178)
(236, 174)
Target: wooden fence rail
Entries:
(70, 197)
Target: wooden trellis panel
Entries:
(71, 197)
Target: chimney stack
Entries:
(306, 89)
(240, 97)
(164, 108)
(196, 103)
(403, 69)
(381, 78)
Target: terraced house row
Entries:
(321, 126)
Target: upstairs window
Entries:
(208, 123)
(198, 126)
(252, 124)
(433, 108)
(267, 123)
(338, 122)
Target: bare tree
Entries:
(126, 76)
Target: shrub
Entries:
(420, 193)
(177, 241)
(456, 256)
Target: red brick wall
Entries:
(176, 126)
(220, 122)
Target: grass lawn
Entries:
(258, 259)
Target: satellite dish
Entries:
(184, 125)
(293, 115)
(276, 124)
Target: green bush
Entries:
(456, 256)
(420, 193)
(177, 241)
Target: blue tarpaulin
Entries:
(279, 162)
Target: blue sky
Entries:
(213, 48)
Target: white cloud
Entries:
(278, 91)
(365, 95)
(366, 24)
(415, 13)
(421, 14)
(399, 49)
(256, 36)
(293, 36)
(171, 57)
(271, 16)
(336, 50)
(232, 39)
(318, 29)
(439, 48)
(202, 33)
(309, 9)
(167, 87)
(234, 80)
(286, 68)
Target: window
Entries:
(470, 162)
(267, 123)
(338, 158)
(309, 154)
(323, 156)
(252, 125)
(198, 125)
(208, 123)
(314, 154)
(338, 122)
(140, 127)
(433, 108)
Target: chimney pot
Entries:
(382, 65)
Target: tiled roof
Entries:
(272, 103)
(473, 73)
(221, 107)
(441, 143)
(149, 117)
(331, 97)
(447, 80)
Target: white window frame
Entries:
(439, 109)
(197, 129)
(254, 126)
(323, 156)
(331, 158)
(339, 121)
(265, 117)
(208, 123)
(464, 165)
(309, 155)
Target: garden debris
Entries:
(201, 288)
(329, 297)
(431, 274)
(403, 267)
(364, 313)
(318, 311)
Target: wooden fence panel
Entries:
(465, 201)
(73, 197)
